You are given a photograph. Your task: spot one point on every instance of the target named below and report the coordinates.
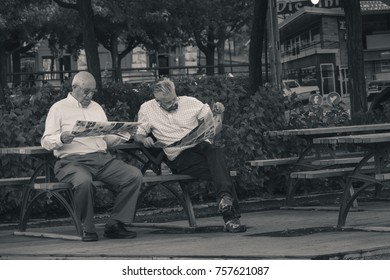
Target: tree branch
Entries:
(127, 50)
(66, 5)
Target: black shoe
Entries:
(118, 231)
(89, 236)
(234, 226)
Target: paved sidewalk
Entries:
(271, 234)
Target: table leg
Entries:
(349, 195)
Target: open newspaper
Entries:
(203, 131)
(94, 128)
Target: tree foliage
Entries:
(130, 24)
(64, 32)
(21, 24)
(210, 23)
(72, 25)
(86, 16)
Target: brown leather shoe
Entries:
(118, 231)
(89, 236)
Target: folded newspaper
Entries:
(203, 131)
(94, 128)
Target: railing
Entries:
(129, 75)
(311, 46)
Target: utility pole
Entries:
(274, 45)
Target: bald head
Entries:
(83, 88)
(84, 79)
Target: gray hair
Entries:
(164, 87)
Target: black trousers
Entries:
(208, 162)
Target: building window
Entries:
(315, 34)
(48, 65)
(385, 66)
(305, 38)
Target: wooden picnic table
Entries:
(315, 157)
(315, 151)
(376, 147)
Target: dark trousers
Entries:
(81, 170)
(207, 162)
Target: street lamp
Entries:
(315, 2)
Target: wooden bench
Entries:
(318, 166)
(64, 194)
(323, 173)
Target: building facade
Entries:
(134, 65)
(314, 51)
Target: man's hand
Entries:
(218, 108)
(148, 142)
(67, 137)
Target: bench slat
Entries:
(291, 160)
(52, 186)
(19, 181)
(324, 173)
(167, 178)
(382, 176)
(146, 179)
(273, 162)
(333, 161)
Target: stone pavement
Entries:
(272, 234)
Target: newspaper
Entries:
(94, 128)
(203, 131)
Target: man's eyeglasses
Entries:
(88, 91)
(170, 105)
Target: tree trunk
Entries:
(256, 45)
(210, 62)
(356, 79)
(116, 66)
(3, 73)
(16, 79)
(90, 43)
(221, 56)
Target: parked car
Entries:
(303, 92)
(375, 87)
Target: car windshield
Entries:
(379, 84)
(291, 84)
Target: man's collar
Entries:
(73, 100)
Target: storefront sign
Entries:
(291, 6)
